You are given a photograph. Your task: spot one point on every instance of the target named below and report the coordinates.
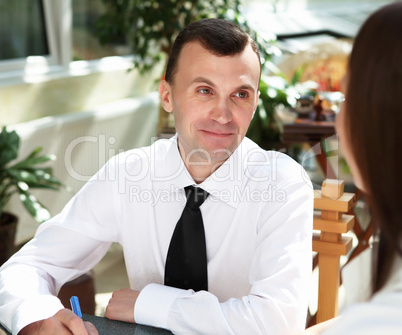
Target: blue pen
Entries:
(75, 305)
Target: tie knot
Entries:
(195, 196)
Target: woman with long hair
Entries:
(370, 131)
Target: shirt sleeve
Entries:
(63, 248)
(31, 279)
(280, 279)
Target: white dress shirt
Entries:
(381, 315)
(258, 228)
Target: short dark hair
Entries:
(372, 122)
(220, 37)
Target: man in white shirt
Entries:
(257, 217)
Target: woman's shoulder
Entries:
(381, 315)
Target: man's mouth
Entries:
(217, 133)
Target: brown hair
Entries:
(372, 122)
(219, 36)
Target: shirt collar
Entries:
(169, 171)
(224, 184)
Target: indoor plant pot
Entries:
(8, 229)
(19, 178)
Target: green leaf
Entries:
(296, 77)
(39, 212)
(35, 178)
(274, 69)
(9, 145)
(33, 160)
(47, 177)
(35, 152)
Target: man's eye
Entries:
(204, 90)
(241, 95)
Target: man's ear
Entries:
(256, 100)
(165, 91)
(256, 103)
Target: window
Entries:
(38, 35)
(85, 44)
(28, 37)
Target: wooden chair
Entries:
(330, 206)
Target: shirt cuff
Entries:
(35, 309)
(153, 305)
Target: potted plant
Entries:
(151, 27)
(19, 178)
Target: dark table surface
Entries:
(110, 327)
(307, 130)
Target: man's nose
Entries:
(222, 112)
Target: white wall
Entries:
(82, 143)
(99, 105)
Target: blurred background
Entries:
(79, 78)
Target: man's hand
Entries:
(63, 322)
(121, 305)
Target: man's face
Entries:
(213, 99)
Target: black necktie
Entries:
(186, 262)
